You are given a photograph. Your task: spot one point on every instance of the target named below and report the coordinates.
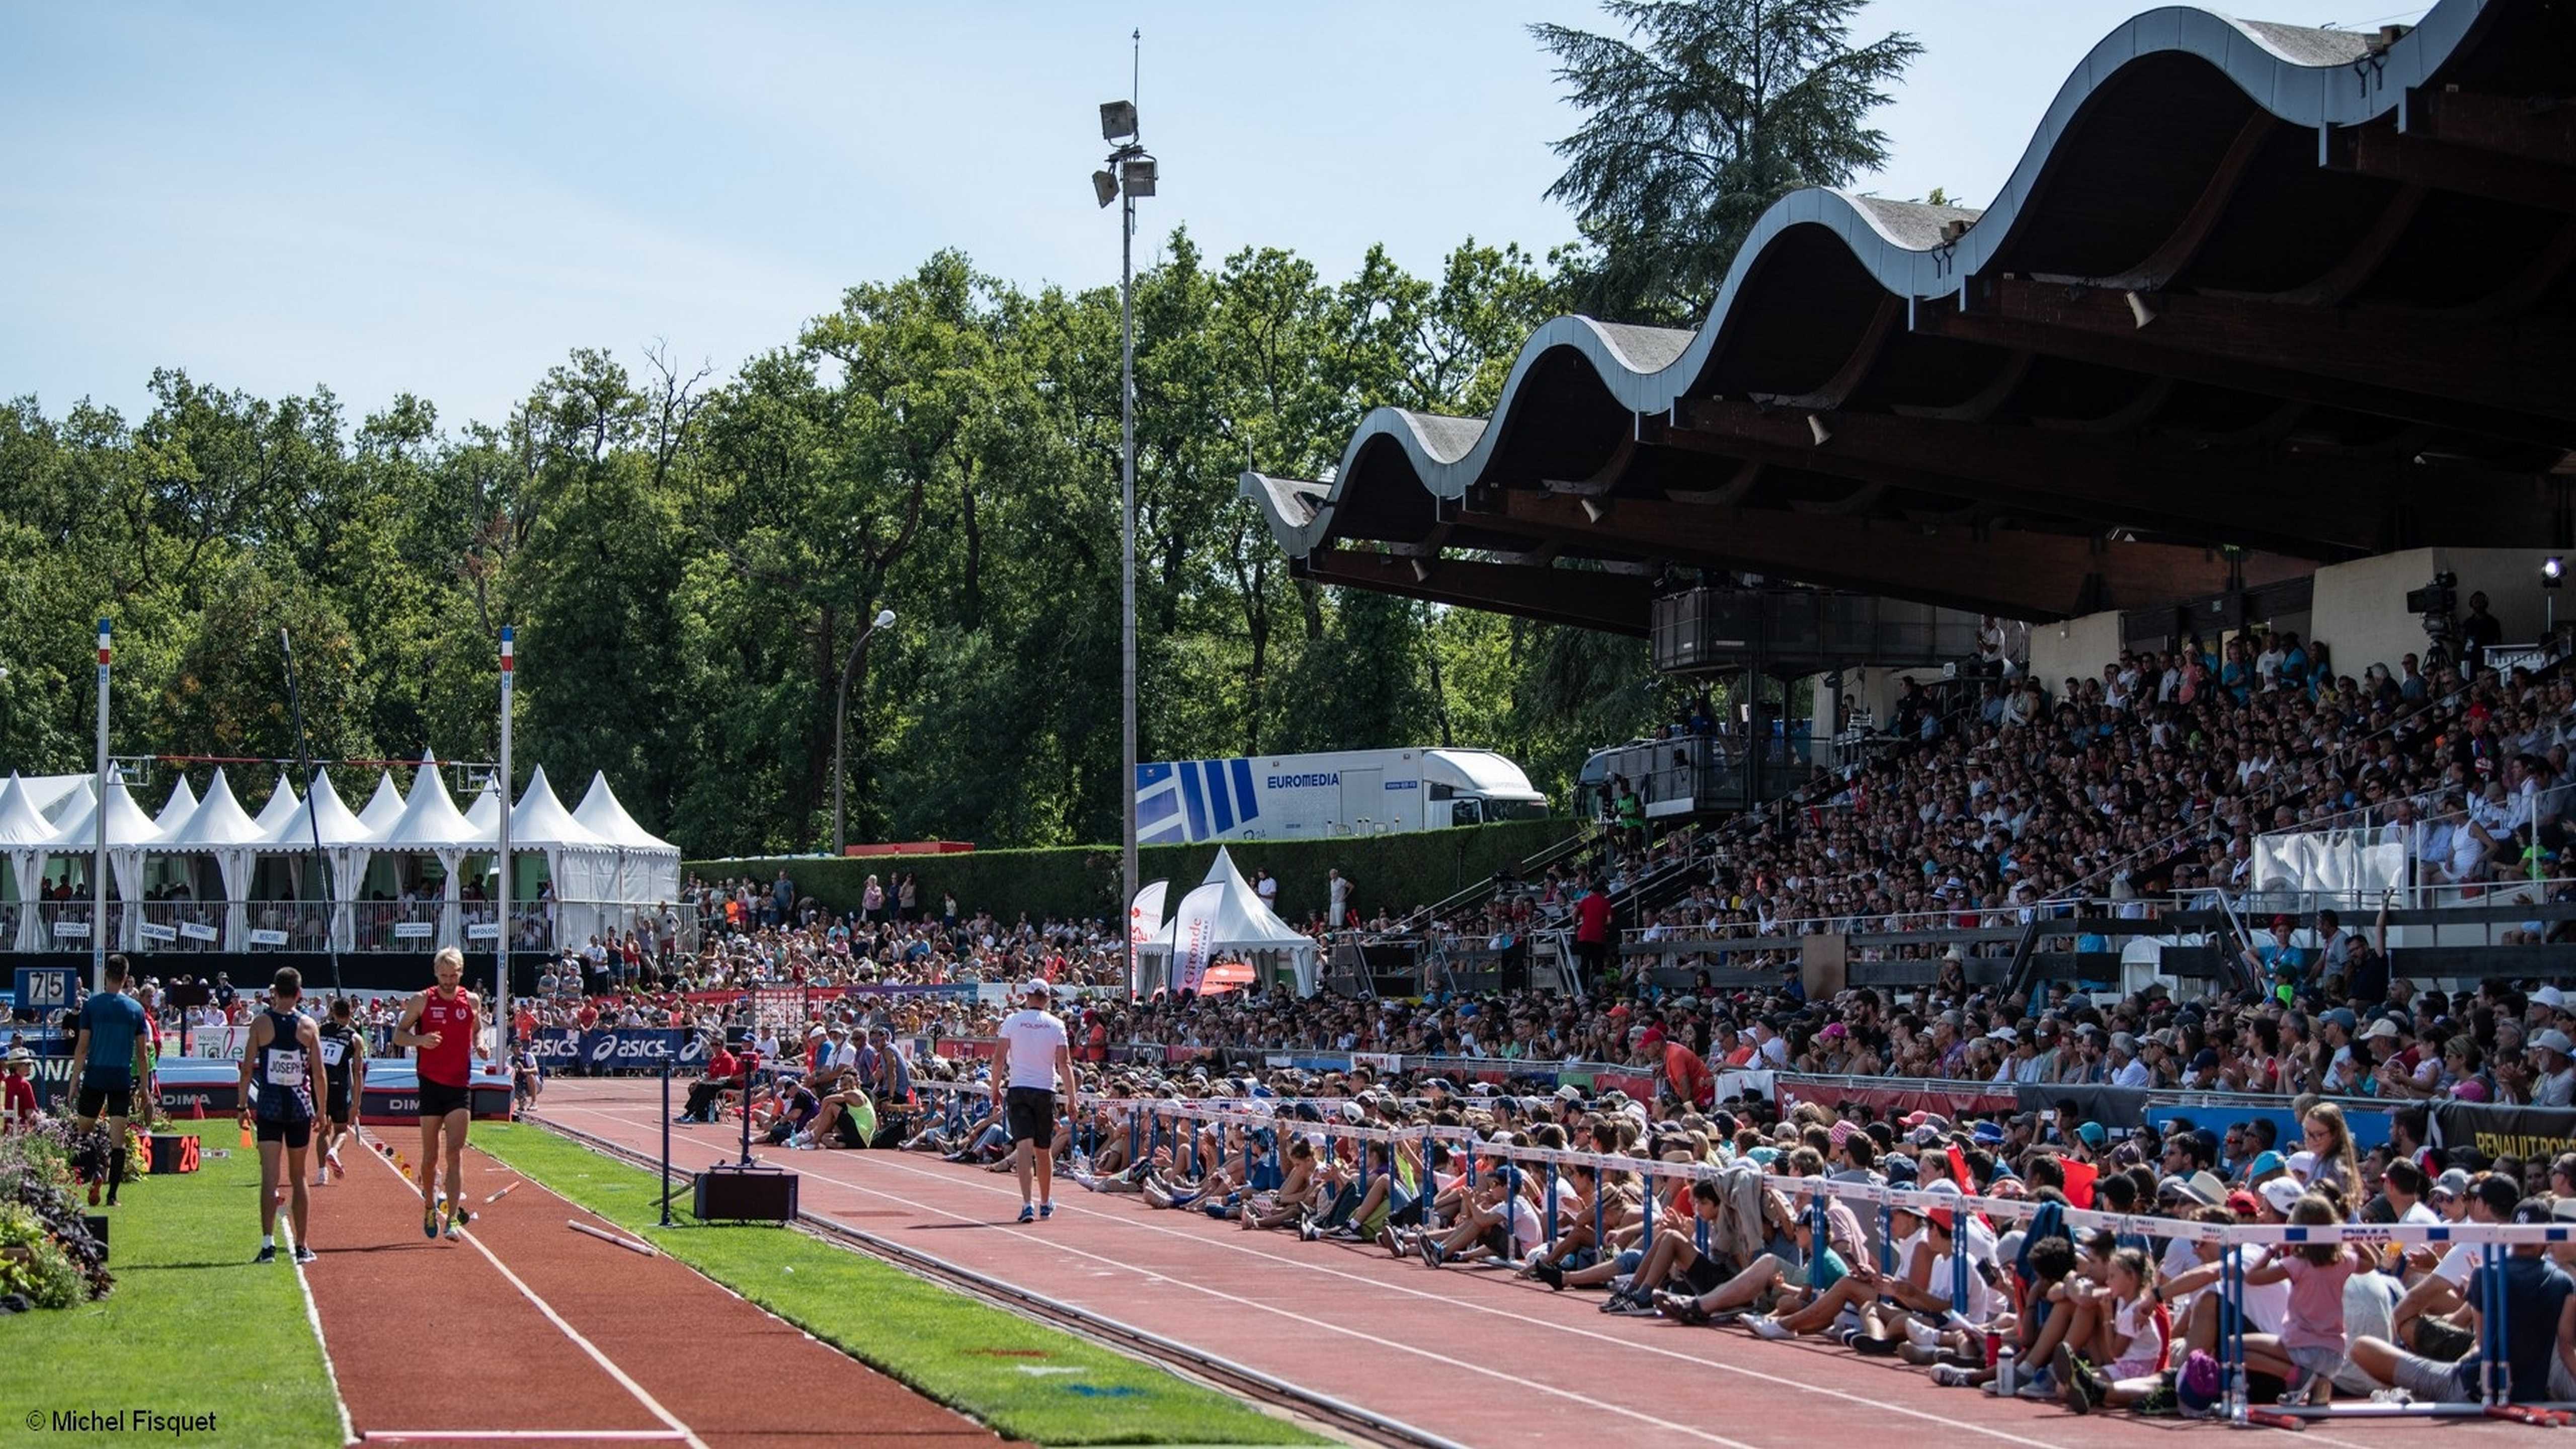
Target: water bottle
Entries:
(2007, 1373)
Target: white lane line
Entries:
(1057, 1246)
(1952, 1424)
(651, 1404)
(330, 1374)
(514, 1434)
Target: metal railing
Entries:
(358, 927)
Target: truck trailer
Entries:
(1342, 792)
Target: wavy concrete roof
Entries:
(2219, 158)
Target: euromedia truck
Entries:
(1345, 792)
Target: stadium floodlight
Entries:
(1129, 173)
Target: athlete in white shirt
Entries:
(1029, 1051)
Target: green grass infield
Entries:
(192, 1328)
(1024, 1379)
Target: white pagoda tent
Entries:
(1242, 925)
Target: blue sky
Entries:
(445, 200)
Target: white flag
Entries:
(1194, 935)
(1145, 913)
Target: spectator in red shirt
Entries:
(1687, 1077)
(1592, 932)
(17, 1094)
(724, 1073)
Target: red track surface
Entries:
(1471, 1355)
(434, 1335)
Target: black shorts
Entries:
(297, 1135)
(437, 1099)
(105, 1101)
(335, 1101)
(846, 1128)
(1703, 1275)
(1030, 1114)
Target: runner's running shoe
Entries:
(1046, 1209)
(267, 1253)
(429, 1223)
(1028, 1214)
(304, 1254)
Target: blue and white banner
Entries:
(616, 1049)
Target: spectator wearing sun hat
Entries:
(2553, 1068)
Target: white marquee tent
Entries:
(1244, 926)
(648, 867)
(600, 863)
(24, 830)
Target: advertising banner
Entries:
(2530, 1133)
(1194, 936)
(1145, 913)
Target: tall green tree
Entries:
(1697, 119)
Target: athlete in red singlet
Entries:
(440, 1024)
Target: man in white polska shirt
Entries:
(1030, 1050)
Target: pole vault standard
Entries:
(312, 817)
(501, 920)
(98, 862)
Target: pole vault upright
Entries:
(98, 860)
(501, 926)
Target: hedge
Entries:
(1398, 872)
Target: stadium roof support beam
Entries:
(2358, 507)
(2018, 574)
(1616, 603)
(2416, 160)
(2509, 378)
(2544, 132)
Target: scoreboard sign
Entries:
(45, 990)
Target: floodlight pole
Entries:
(1126, 555)
(841, 726)
(1118, 166)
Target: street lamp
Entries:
(841, 722)
(1129, 173)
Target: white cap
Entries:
(1036, 986)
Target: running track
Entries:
(1475, 1356)
(527, 1333)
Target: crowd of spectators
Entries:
(2097, 1319)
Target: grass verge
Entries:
(1026, 1380)
(193, 1327)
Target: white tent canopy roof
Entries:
(21, 823)
(1243, 922)
(181, 804)
(430, 820)
(54, 795)
(217, 820)
(339, 827)
(541, 819)
(281, 804)
(383, 808)
(607, 819)
(127, 825)
(485, 813)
